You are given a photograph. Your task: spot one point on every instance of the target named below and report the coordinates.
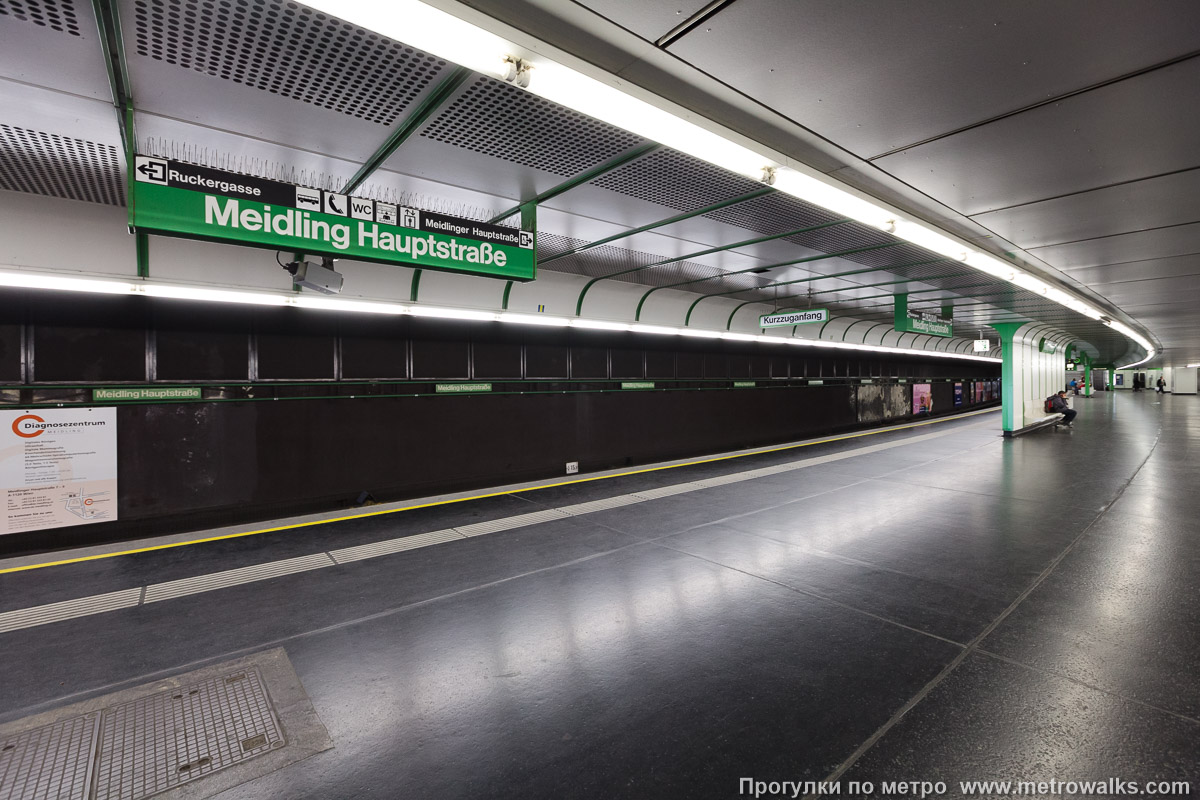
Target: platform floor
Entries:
(953, 606)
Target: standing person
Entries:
(1058, 405)
(1162, 385)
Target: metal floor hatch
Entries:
(144, 747)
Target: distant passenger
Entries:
(1073, 386)
(1058, 405)
(1162, 385)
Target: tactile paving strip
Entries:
(50, 763)
(162, 741)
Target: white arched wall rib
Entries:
(100, 249)
(1035, 374)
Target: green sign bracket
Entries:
(142, 245)
(528, 223)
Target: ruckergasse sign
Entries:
(177, 199)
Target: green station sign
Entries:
(908, 321)
(637, 384)
(794, 318)
(176, 199)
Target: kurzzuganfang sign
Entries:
(177, 199)
(793, 318)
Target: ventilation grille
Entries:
(505, 122)
(57, 15)
(677, 181)
(772, 214)
(59, 166)
(289, 50)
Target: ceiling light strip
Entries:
(171, 291)
(612, 100)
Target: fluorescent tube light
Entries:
(600, 325)
(1149, 356)
(925, 236)
(210, 295)
(655, 329)
(329, 304)
(37, 280)
(822, 192)
(532, 319)
(452, 313)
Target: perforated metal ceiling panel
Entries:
(58, 15)
(772, 214)
(504, 122)
(677, 181)
(272, 70)
(290, 50)
(52, 43)
(59, 166)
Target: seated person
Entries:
(1058, 405)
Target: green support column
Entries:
(1008, 399)
(901, 312)
(1087, 375)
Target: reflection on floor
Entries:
(956, 607)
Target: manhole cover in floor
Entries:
(143, 747)
(51, 762)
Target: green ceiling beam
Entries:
(805, 260)
(707, 252)
(661, 223)
(426, 109)
(108, 27)
(582, 178)
(108, 23)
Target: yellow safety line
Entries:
(490, 494)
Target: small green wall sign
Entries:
(462, 388)
(147, 393)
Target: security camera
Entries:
(321, 277)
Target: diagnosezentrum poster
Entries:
(58, 467)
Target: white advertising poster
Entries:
(58, 467)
